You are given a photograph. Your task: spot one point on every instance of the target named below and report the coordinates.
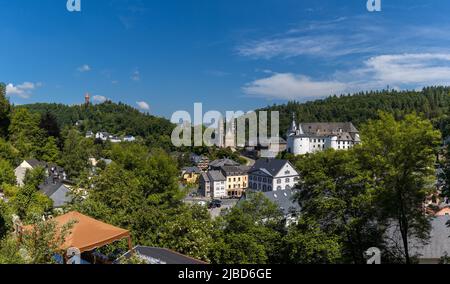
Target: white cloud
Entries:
(290, 47)
(100, 99)
(23, 90)
(84, 68)
(399, 71)
(143, 106)
(291, 86)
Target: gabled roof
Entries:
(223, 162)
(327, 128)
(35, 163)
(216, 176)
(154, 255)
(192, 170)
(57, 191)
(269, 166)
(284, 199)
(235, 170)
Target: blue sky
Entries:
(164, 55)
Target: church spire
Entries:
(294, 124)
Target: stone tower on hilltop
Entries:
(87, 99)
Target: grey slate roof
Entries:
(269, 166)
(235, 170)
(284, 199)
(435, 248)
(327, 128)
(216, 176)
(223, 162)
(35, 163)
(205, 177)
(194, 170)
(161, 256)
(56, 191)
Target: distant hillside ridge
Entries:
(115, 118)
(432, 102)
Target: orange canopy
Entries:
(88, 234)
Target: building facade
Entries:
(273, 175)
(313, 137)
(213, 184)
(236, 180)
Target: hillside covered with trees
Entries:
(114, 118)
(433, 103)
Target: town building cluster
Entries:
(105, 136)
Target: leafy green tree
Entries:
(189, 231)
(5, 110)
(400, 155)
(28, 203)
(8, 152)
(50, 125)
(338, 195)
(76, 153)
(35, 177)
(49, 152)
(38, 245)
(307, 243)
(250, 233)
(24, 132)
(7, 175)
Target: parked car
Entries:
(215, 204)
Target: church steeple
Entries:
(294, 124)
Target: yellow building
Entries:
(191, 175)
(237, 180)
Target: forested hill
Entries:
(433, 102)
(115, 118)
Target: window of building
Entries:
(279, 180)
(288, 180)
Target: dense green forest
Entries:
(114, 118)
(433, 103)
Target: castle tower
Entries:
(87, 99)
(294, 124)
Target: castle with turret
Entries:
(307, 138)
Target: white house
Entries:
(273, 175)
(89, 134)
(213, 184)
(312, 137)
(52, 171)
(114, 139)
(129, 138)
(104, 136)
(22, 169)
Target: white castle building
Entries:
(312, 137)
